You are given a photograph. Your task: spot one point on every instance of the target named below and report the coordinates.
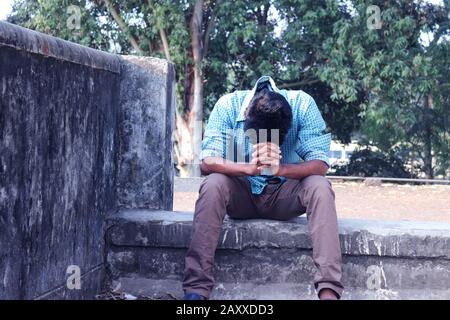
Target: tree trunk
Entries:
(183, 146)
(196, 114)
(185, 129)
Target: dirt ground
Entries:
(356, 200)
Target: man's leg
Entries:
(218, 195)
(315, 196)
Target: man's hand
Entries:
(252, 169)
(266, 155)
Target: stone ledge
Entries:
(159, 229)
(35, 42)
(157, 289)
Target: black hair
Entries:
(268, 110)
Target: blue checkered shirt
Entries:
(305, 141)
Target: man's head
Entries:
(268, 110)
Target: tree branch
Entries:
(209, 27)
(162, 34)
(165, 42)
(196, 41)
(122, 25)
(266, 12)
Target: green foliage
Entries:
(367, 163)
(242, 47)
(385, 84)
(310, 26)
(397, 86)
(54, 17)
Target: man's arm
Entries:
(230, 168)
(301, 170)
(314, 144)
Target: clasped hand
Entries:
(266, 155)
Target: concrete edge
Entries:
(39, 43)
(147, 228)
(389, 227)
(153, 64)
(171, 289)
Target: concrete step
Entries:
(167, 289)
(266, 257)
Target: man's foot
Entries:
(327, 294)
(193, 296)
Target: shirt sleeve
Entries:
(218, 128)
(314, 142)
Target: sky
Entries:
(5, 8)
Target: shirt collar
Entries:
(264, 80)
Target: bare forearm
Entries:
(220, 165)
(291, 171)
(305, 169)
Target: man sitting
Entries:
(278, 173)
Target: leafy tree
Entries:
(243, 46)
(310, 24)
(405, 108)
(384, 84)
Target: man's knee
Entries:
(214, 195)
(215, 183)
(318, 186)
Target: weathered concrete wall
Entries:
(146, 123)
(71, 128)
(380, 259)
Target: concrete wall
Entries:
(146, 122)
(82, 133)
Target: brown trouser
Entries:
(220, 194)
